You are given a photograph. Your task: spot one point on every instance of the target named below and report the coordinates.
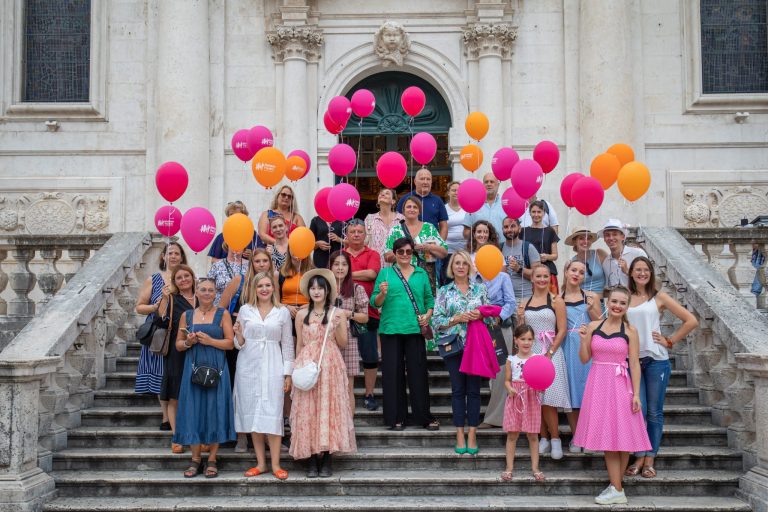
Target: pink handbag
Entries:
(479, 356)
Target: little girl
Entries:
(522, 411)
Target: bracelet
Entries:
(186, 344)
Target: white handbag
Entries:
(305, 377)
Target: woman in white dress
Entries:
(264, 366)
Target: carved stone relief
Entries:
(59, 213)
(391, 44)
(723, 205)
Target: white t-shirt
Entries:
(612, 270)
(455, 238)
(549, 219)
(517, 366)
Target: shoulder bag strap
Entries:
(229, 269)
(325, 338)
(407, 236)
(407, 288)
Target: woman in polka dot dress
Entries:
(610, 418)
(546, 314)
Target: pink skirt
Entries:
(522, 413)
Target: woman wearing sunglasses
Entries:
(284, 203)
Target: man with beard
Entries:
(520, 256)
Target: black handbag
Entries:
(356, 329)
(205, 375)
(145, 333)
(499, 344)
(449, 346)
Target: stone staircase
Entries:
(117, 459)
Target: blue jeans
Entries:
(465, 394)
(757, 286)
(654, 377)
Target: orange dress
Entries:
(320, 418)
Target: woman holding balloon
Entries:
(581, 239)
(544, 239)
(379, 224)
(455, 239)
(279, 249)
(284, 203)
(482, 233)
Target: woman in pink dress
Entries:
(321, 421)
(610, 418)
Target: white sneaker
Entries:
(611, 497)
(544, 446)
(572, 448)
(557, 449)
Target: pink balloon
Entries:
(539, 372)
(503, 162)
(331, 125)
(527, 177)
(471, 195)
(304, 155)
(423, 147)
(321, 205)
(198, 228)
(512, 204)
(547, 155)
(587, 195)
(168, 220)
(343, 201)
(363, 103)
(413, 100)
(342, 159)
(566, 187)
(339, 110)
(171, 180)
(259, 137)
(240, 145)
(391, 169)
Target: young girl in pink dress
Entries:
(522, 410)
(610, 418)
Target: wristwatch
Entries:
(551, 352)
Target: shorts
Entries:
(367, 345)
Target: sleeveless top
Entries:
(646, 319)
(594, 278)
(621, 334)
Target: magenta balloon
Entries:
(413, 100)
(321, 205)
(547, 155)
(198, 228)
(566, 187)
(343, 201)
(539, 372)
(471, 195)
(503, 162)
(342, 159)
(391, 169)
(527, 177)
(304, 155)
(423, 147)
(168, 220)
(171, 180)
(240, 145)
(259, 137)
(512, 204)
(587, 195)
(331, 125)
(363, 103)
(339, 110)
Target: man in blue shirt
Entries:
(432, 207)
(491, 210)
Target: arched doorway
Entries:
(388, 129)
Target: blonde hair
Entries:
(235, 205)
(464, 254)
(249, 289)
(294, 204)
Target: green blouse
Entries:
(428, 234)
(397, 314)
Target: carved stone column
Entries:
(488, 44)
(22, 282)
(753, 486)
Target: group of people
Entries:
(379, 294)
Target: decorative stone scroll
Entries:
(486, 39)
(53, 213)
(391, 44)
(296, 42)
(723, 206)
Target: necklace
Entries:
(189, 297)
(203, 313)
(318, 315)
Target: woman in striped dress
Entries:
(149, 374)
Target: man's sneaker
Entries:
(572, 448)
(544, 446)
(370, 403)
(611, 497)
(557, 449)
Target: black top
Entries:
(542, 239)
(173, 363)
(321, 230)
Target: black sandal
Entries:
(211, 470)
(397, 427)
(194, 469)
(432, 425)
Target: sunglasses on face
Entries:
(286, 195)
(404, 252)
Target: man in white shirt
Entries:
(549, 219)
(616, 265)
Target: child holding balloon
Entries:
(522, 411)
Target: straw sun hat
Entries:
(579, 231)
(324, 272)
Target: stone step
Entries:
(463, 503)
(392, 458)
(386, 483)
(139, 437)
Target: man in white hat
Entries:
(616, 265)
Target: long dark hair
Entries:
(325, 285)
(347, 286)
(162, 264)
(650, 288)
(493, 236)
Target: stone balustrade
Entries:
(729, 251)
(49, 371)
(727, 356)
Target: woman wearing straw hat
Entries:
(581, 239)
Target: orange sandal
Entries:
(253, 472)
(280, 474)
(177, 448)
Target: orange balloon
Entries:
(471, 157)
(295, 167)
(623, 152)
(237, 231)
(268, 166)
(301, 242)
(634, 180)
(489, 261)
(605, 169)
(476, 125)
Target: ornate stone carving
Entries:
(489, 39)
(296, 42)
(391, 44)
(53, 213)
(723, 205)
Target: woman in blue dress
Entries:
(581, 307)
(581, 239)
(205, 414)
